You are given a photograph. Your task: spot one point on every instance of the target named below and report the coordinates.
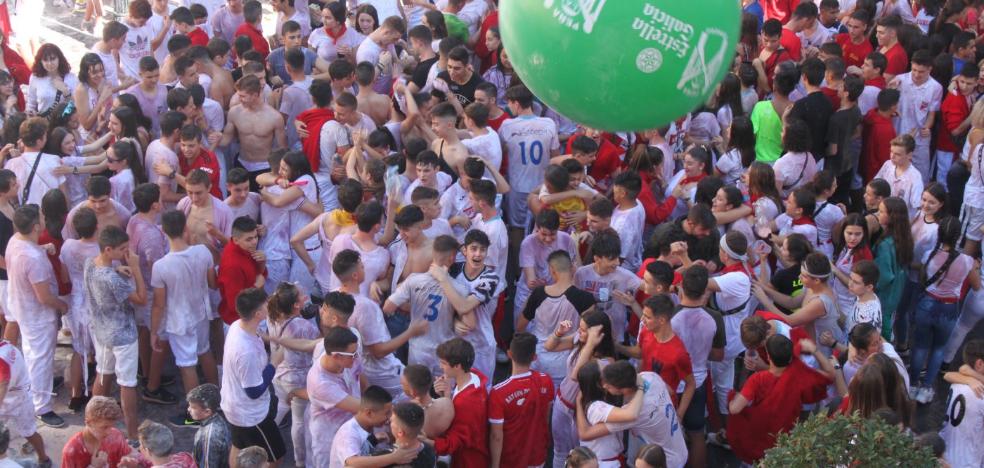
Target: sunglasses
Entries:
(344, 354)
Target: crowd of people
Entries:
(344, 224)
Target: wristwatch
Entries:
(173, 173)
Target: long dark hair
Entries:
(607, 346)
(937, 191)
(435, 19)
(299, 167)
(129, 149)
(48, 50)
(89, 61)
(896, 396)
(589, 383)
(742, 138)
(762, 180)
(947, 235)
(729, 94)
(900, 229)
(55, 139)
(54, 209)
(129, 100)
(128, 121)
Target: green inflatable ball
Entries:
(620, 65)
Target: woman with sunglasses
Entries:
(52, 81)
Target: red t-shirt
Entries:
(64, 287)
(198, 37)
(260, 43)
(207, 162)
(781, 10)
(670, 360)
(75, 455)
(522, 405)
(898, 60)
(497, 122)
(854, 54)
(466, 440)
(877, 133)
(955, 110)
(792, 43)
(237, 271)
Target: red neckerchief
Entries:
(739, 267)
(315, 119)
(694, 179)
(803, 220)
(336, 37)
(861, 254)
(298, 183)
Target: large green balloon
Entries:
(620, 65)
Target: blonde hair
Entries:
(102, 408)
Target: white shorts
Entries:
(119, 360)
(19, 416)
(187, 347)
(278, 271)
(971, 221)
(214, 298)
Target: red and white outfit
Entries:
(521, 404)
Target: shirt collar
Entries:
(474, 381)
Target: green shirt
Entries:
(768, 132)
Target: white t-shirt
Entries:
(974, 190)
(498, 254)
(44, 177)
(629, 224)
(485, 287)
(657, 423)
(729, 165)
(443, 182)
(27, 265)
(454, 202)
(122, 184)
(908, 186)
(962, 428)
(607, 447)
(916, 103)
(696, 329)
(826, 216)
(370, 51)
(865, 312)
(183, 276)
(327, 47)
(736, 290)
(243, 361)
(325, 391)
(487, 147)
(109, 65)
(157, 152)
(136, 45)
(438, 227)
(367, 319)
(351, 440)
(41, 92)
(375, 262)
(276, 243)
(602, 287)
(794, 170)
(427, 302)
(157, 22)
(528, 140)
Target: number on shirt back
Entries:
(535, 152)
(435, 301)
(956, 409)
(672, 416)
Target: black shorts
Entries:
(266, 434)
(694, 419)
(253, 186)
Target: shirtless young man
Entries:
(259, 127)
(209, 219)
(371, 103)
(109, 212)
(210, 61)
(438, 412)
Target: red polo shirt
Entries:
(898, 60)
(198, 37)
(237, 271)
(256, 36)
(854, 54)
(955, 110)
(792, 43)
(207, 162)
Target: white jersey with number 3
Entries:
(428, 302)
(529, 141)
(963, 428)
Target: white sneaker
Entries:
(913, 393)
(925, 395)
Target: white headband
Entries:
(731, 253)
